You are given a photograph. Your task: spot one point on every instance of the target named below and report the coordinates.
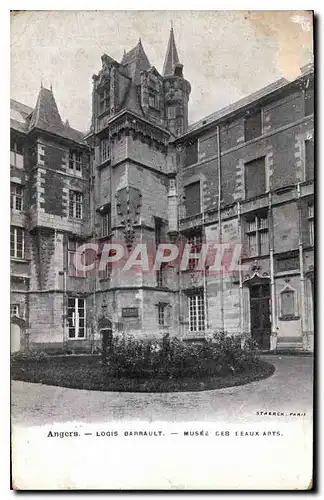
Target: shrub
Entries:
(26, 355)
(172, 358)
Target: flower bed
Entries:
(135, 365)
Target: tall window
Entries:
(191, 153)
(192, 199)
(16, 197)
(171, 112)
(195, 240)
(161, 314)
(160, 277)
(158, 231)
(153, 100)
(104, 100)
(104, 150)
(75, 161)
(310, 216)
(255, 178)
(196, 312)
(76, 318)
(17, 242)
(258, 235)
(309, 160)
(16, 153)
(253, 126)
(72, 249)
(309, 101)
(75, 204)
(106, 223)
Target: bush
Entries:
(172, 358)
(26, 355)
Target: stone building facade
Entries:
(242, 177)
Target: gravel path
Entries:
(288, 390)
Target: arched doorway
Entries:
(106, 336)
(17, 332)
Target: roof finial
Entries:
(51, 87)
(171, 23)
(140, 40)
(41, 82)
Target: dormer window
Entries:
(153, 101)
(104, 100)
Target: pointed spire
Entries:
(46, 114)
(171, 57)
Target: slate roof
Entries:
(245, 101)
(44, 116)
(171, 57)
(137, 61)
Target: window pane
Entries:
(252, 244)
(264, 242)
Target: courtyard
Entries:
(288, 390)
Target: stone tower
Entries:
(176, 90)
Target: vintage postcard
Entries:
(162, 250)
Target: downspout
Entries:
(240, 269)
(92, 232)
(273, 338)
(220, 227)
(302, 276)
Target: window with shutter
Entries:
(255, 178)
(309, 160)
(192, 199)
(191, 153)
(253, 126)
(309, 102)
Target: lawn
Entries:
(86, 372)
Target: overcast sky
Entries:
(226, 54)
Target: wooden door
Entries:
(260, 315)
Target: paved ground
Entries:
(288, 390)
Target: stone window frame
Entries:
(75, 204)
(196, 310)
(258, 229)
(266, 174)
(75, 162)
(103, 99)
(251, 113)
(16, 198)
(194, 180)
(16, 153)
(284, 316)
(76, 318)
(194, 141)
(309, 137)
(104, 150)
(310, 219)
(161, 309)
(14, 230)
